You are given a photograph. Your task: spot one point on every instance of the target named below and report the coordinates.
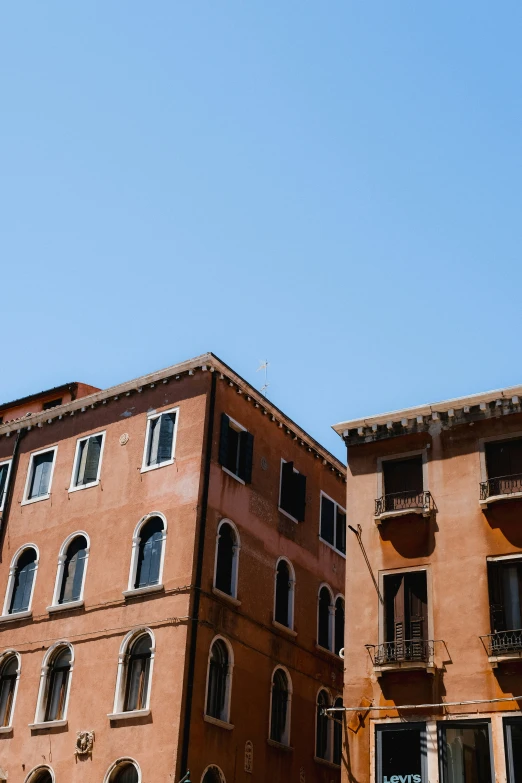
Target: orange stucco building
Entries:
(171, 577)
(434, 593)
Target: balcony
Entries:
(398, 504)
(503, 646)
(409, 655)
(501, 488)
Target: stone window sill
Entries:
(6, 729)
(48, 724)
(280, 745)
(217, 722)
(327, 763)
(64, 607)
(142, 591)
(328, 652)
(284, 628)
(226, 597)
(128, 715)
(11, 618)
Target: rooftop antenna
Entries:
(264, 366)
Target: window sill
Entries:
(280, 745)
(233, 475)
(320, 648)
(48, 724)
(498, 498)
(226, 597)
(284, 628)
(6, 729)
(128, 715)
(63, 607)
(288, 515)
(327, 763)
(84, 486)
(420, 511)
(148, 468)
(35, 500)
(142, 591)
(217, 722)
(11, 618)
(331, 546)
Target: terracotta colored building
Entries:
(434, 612)
(171, 577)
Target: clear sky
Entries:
(334, 186)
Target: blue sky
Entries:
(333, 186)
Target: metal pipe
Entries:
(392, 707)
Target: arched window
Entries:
(284, 594)
(324, 619)
(72, 563)
(219, 678)
(123, 771)
(9, 674)
(213, 775)
(322, 744)
(339, 625)
(227, 556)
(148, 552)
(55, 684)
(133, 683)
(280, 707)
(21, 581)
(41, 775)
(338, 733)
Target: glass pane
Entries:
(401, 755)
(466, 754)
(514, 751)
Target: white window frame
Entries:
(26, 500)
(10, 584)
(224, 722)
(336, 506)
(331, 618)
(9, 463)
(235, 425)
(35, 772)
(43, 689)
(291, 596)
(235, 559)
(136, 538)
(288, 725)
(283, 462)
(4, 657)
(118, 712)
(152, 416)
(114, 767)
(73, 487)
(62, 556)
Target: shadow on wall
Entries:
(509, 678)
(506, 517)
(412, 536)
(414, 688)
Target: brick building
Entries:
(171, 577)
(434, 613)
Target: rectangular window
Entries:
(406, 617)
(40, 475)
(505, 601)
(333, 524)
(401, 753)
(504, 466)
(236, 449)
(292, 495)
(465, 752)
(513, 735)
(403, 482)
(160, 439)
(87, 462)
(5, 469)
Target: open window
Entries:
(219, 680)
(292, 493)
(505, 601)
(280, 706)
(5, 470)
(333, 524)
(55, 682)
(405, 618)
(402, 490)
(325, 612)
(72, 566)
(160, 439)
(133, 682)
(87, 462)
(284, 593)
(236, 448)
(227, 558)
(339, 625)
(9, 675)
(20, 585)
(327, 746)
(503, 462)
(148, 554)
(40, 475)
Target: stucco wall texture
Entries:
(454, 544)
(109, 513)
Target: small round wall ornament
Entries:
(124, 439)
(84, 742)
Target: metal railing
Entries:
(501, 485)
(411, 650)
(404, 501)
(503, 642)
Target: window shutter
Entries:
(93, 449)
(287, 473)
(73, 571)
(42, 475)
(399, 620)
(496, 597)
(166, 436)
(282, 593)
(340, 532)
(339, 625)
(3, 480)
(246, 454)
(323, 630)
(223, 440)
(154, 434)
(299, 496)
(417, 598)
(327, 519)
(149, 556)
(23, 582)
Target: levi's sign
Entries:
(402, 779)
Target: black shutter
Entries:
(417, 605)
(223, 440)
(299, 496)
(286, 499)
(340, 534)
(165, 437)
(496, 598)
(327, 519)
(246, 453)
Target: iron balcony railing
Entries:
(404, 501)
(408, 651)
(503, 642)
(501, 485)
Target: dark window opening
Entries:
(321, 729)
(41, 469)
(283, 594)
(89, 452)
(403, 483)
(338, 733)
(279, 707)
(212, 776)
(333, 524)
(138, 673)
(51, 404)
(293, 491)
(227, 548)
(149, 553)
(42, 777)
(505, 604)
(466, 755)
(127, 773)
(4, 471)
(323, 632)
(73, 568)
(513, 734)
(8, 676)
(217, 681)
(236, 449)
(58, 679)
(23, 582)
(339, 626)
(504, 466)
(161, 439)
(401, 754)
(406, 616)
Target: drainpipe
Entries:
(10, 484)
(197, 582)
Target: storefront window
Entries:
(466, 753)
(513, 730)
(401, 753)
